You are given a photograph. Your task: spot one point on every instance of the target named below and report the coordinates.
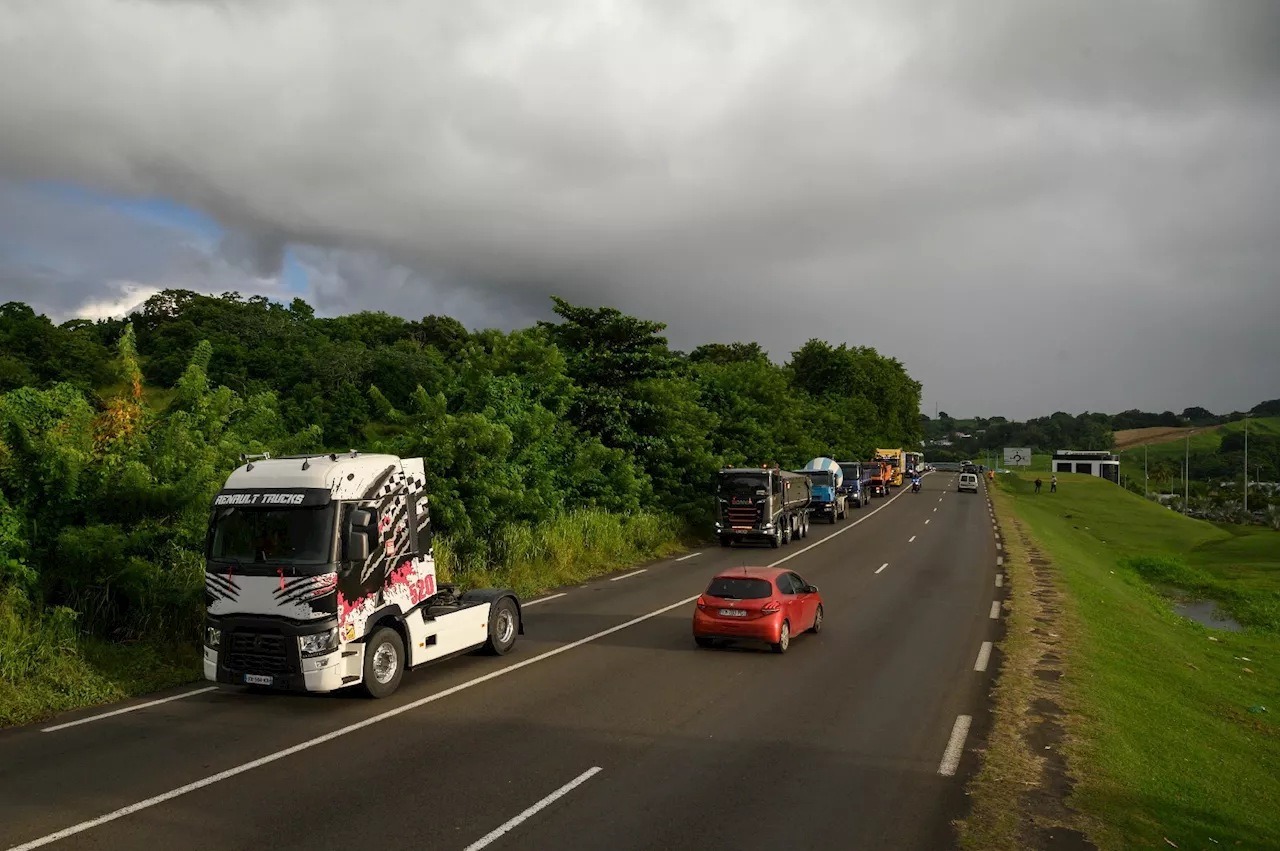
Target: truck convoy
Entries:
(829, 499)
(893, 457)
(762, 504)
(319, 575)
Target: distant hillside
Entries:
(1134, 437)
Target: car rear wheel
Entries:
(784, 638)
(817, 621)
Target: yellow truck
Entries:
(892, 457)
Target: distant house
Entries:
(1102, 464)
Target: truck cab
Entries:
(857, 482)
(319, 575)
(827, 480)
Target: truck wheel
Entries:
(725, 542)
(776, 540)
(383, 663)
(788, 532)
(504, 623)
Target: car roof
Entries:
(751, 573)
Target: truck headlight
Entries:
(318, 643)
(212, 637)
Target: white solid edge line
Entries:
(391, 713)
(984, 656)
(127, 709)
(999, 580)
(955, 746)
(629, 575)
(542, 600)
(995, 610)
(689, 556)
(882, 567)
(545, 802)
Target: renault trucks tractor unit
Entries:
(319, 575)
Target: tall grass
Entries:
(568, 548)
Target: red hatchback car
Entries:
(769, 604)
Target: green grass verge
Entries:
(47, 666)
(1165, 744)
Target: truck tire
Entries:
(725, 541)
(384, 663)
(776, 540)
(504, 624)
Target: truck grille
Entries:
(745, 515)
(258, 653)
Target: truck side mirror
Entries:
(360, 530)
(357, 547)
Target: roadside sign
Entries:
(1017, 457)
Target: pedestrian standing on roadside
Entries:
(1038, 483)
(1053, 484)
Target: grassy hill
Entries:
(1134, 437)
(1202, 442)
(1166, 732)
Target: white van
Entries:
(968, 482)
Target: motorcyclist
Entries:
(915, 481)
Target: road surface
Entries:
(606, 727)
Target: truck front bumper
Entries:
(259, 652)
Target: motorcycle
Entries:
(915, 486)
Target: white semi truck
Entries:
(319, 575)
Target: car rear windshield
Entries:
(739, 589)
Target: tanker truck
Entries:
(829, 498)
(761, 504)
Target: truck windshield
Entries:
(276, 535)
(743, 484)
(822, 478)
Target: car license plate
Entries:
(258, 680)
(733, 613)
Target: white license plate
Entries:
(258, 680)
(732, 613)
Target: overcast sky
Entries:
(1035, 206)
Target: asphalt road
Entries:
(606, 727)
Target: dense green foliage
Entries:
(584, 439)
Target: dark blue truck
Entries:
(857, 476)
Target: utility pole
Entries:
(1246, 464)
(1186, 477)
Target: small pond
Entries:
(1207, 613)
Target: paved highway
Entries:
(606, 727)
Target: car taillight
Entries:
(771, 607)
(702, 604)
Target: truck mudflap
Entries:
(492, 596)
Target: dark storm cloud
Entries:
(1035, 206)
